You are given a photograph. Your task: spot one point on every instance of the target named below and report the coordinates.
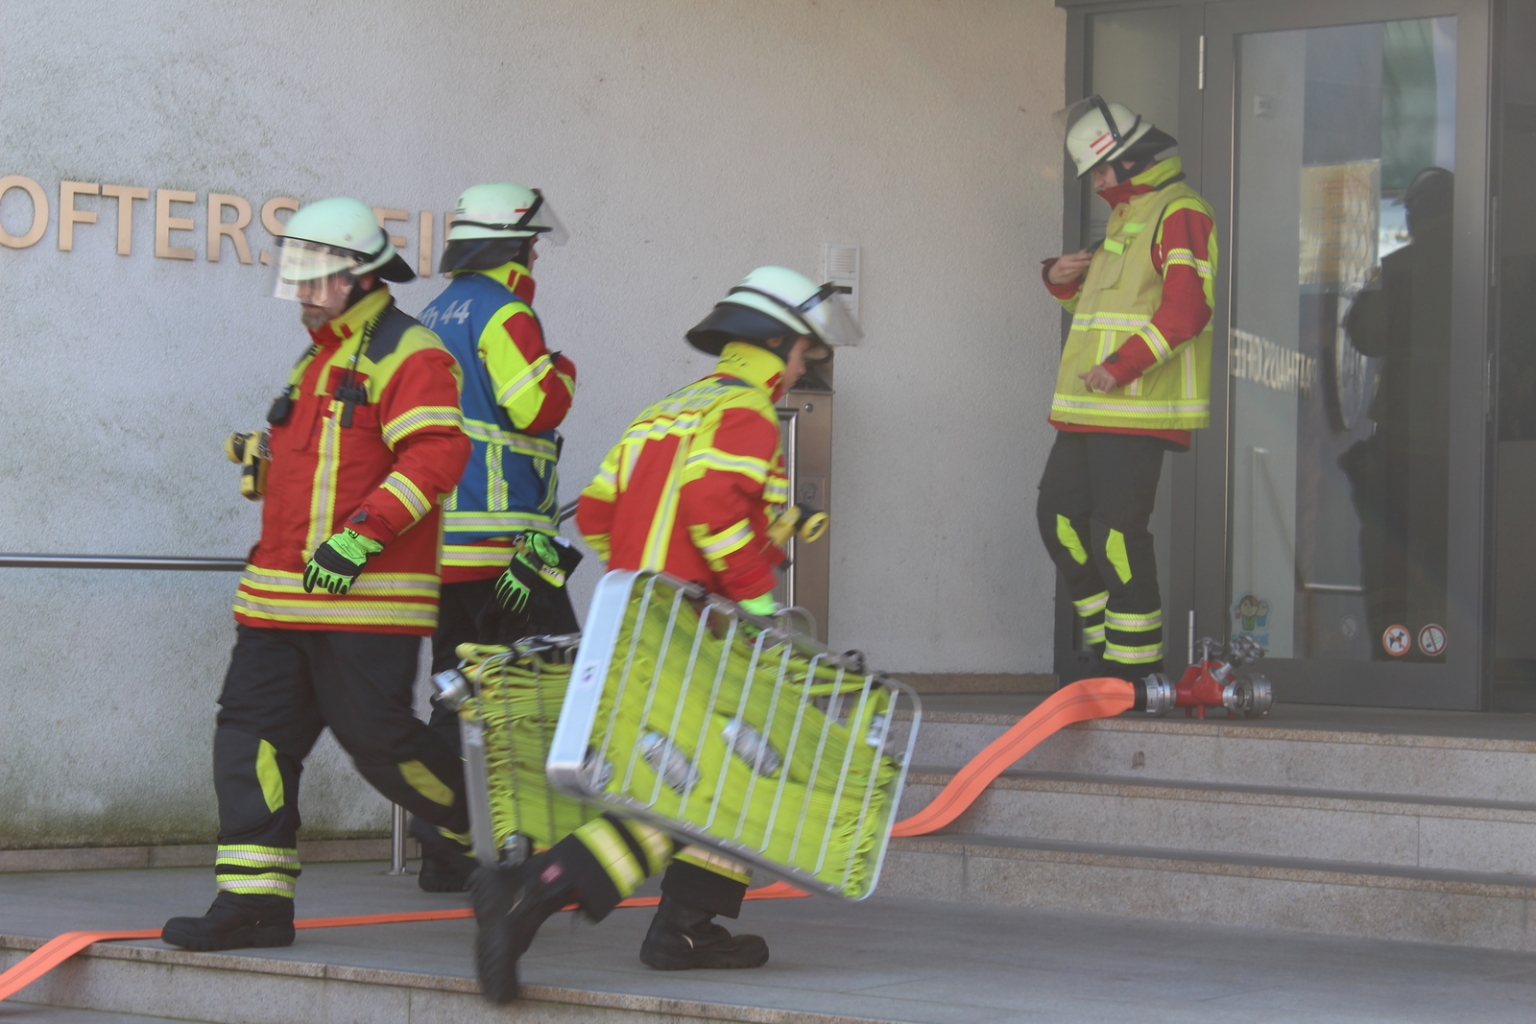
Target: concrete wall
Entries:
(682, 141)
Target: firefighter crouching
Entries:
(365, 440)
(501, 519)
(689, 490)
(1134, 379)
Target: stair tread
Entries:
(942, 774)
(1526, 884)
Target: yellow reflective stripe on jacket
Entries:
(408, 494)
(522, 444)
(505, 522)
(419, 418)
(369, 584)
(479, 556)
(536, 370)
(342, 612)
(376, 599)
(1109, 322)
(322, 496)
(658, 538)
(713, 458)
(1147, 410)
(604, 485)
(1161, 350)
(716, 546)
(495, 481)
(1183, 257)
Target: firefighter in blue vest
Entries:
(504, 564)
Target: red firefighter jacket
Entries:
(691, 487)
(383, 475)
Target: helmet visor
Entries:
(544, 220)
(307, 271)
(829, 317)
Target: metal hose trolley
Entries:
(507, 699)
(733, 732)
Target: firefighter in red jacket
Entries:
(365, 440)
(690, 489)
(1134, 379)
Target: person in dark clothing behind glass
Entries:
(1399, 474)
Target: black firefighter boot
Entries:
(234, 922)
(446, 863)
(684, 937)
(510, 905)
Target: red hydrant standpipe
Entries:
(1212, 683)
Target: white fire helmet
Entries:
(773, 302)
(1098, 131)
(504, 210)
(328, 245)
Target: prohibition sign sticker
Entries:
(1432, 639)
(1396, 640)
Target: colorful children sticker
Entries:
(1252, 616)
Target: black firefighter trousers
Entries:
(283, 687)
(1096, 498)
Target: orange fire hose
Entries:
(1077, 702)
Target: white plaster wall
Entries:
(682, 141)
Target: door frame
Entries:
(1201, 541)
(1460, 683)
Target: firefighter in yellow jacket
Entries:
(690, 490)
(1134, 379)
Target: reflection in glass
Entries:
(1341, 337)
(1402, 320)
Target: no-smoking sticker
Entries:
(1432, 639)
(1397, 641)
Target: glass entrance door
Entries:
(1350, 466)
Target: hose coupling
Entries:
(1249, 698)
(452, 688)
(1155, 694)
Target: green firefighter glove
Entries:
(337, 563)
(541, 564)
(763, 605)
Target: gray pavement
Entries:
(917, 961)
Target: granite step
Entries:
(1403, 831)
(1242, 753)
(1462, 908)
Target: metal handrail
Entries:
(9, 561)
(165, 562)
